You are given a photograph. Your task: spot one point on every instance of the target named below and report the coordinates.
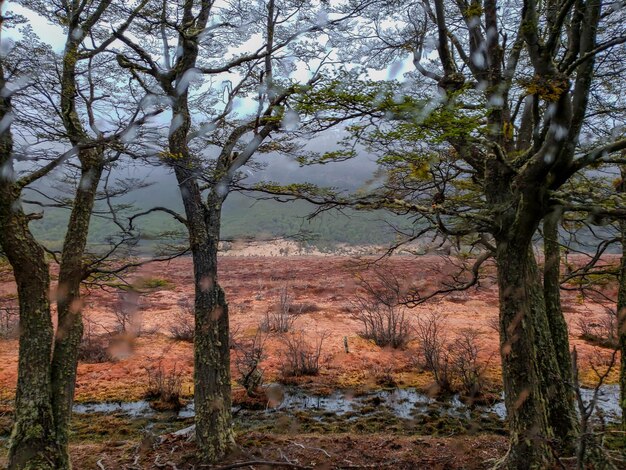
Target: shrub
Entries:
(164, 388)
(126, 313)
(306, 307)
(154, 283)
(467, 369)
(494, 323)
(282, 317)
(300, 356)
(435, 349)
(455, 364)
(93, 348)
(379, 308)
(183, 325)
(94, 351)
(9, 322)
(603, 332)
(383, 375)
(597, 445)
(249, 354)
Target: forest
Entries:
(301, 234)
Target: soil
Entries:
(342, 451)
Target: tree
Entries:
(33, 443)
(45, 388)
(552, 56)
(621, 305)
(507, 104)
(205, 34)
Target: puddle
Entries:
(608, 401)
(405, 403)
(402, 402)
(134, 409)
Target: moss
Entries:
(6, 422)
(547, 88)
(474, 10)
(154, 283)
(99, 427)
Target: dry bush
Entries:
(305, 307)
(127, 315)
(9, 322)
(602, 332)
(378, 306)
(93, 348)
(383, 374)
(467, 368)
(164, 387)
(494, 323)
(455, 364)
(434, 349)
(249, 354)
(301, 357)
(597, 445)
(282, 317)
(183, 325)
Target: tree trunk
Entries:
(525, 345)
(70, 325)
(212, 364)
(32, 444)
(536, 396)
(562, 412)
(621, 308)
(212, 389)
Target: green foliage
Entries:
(404, 121)
(327, 157)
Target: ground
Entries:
(340, 451)
(322, 290)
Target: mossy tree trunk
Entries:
(72, 269)
(211, 349)
(33, 441)
(535, 391)
(60, 362)
(69, 304)
(563, 416)
(524, 344)
(212, 387)
(621, 307)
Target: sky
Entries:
(52, 34)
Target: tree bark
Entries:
(621, 308)
(563, 418)
(69, 307)
(524, 343)
(211, 351)
(33, 444)
(212, 388)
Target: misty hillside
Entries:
(247, 216)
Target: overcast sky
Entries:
(347, 175)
